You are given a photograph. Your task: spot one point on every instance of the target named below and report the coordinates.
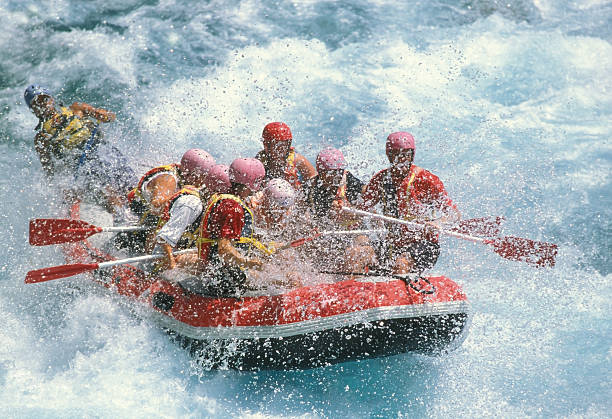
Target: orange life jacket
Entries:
(290, 173)
(403, 202)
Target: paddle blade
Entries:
(535, 253)
(480, 227)
(57, 272)
(46, 231)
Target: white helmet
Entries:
(280, 192)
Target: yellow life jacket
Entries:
(68, 131)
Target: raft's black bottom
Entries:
(430, 335)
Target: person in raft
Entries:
(273, 208)
(69, 140)
(324, 196)
(182, 213)
(280, 159)
(157, 189)
(225, 238)
(333, 187)
(412, 193)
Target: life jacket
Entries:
(402, 202)
(399, 202)
(138, 204)
(67, 131)
(345, 222)
(208, 245)
(290, 173)
(189, 236)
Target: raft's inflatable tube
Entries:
(352, 318)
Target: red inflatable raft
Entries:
(348, 319)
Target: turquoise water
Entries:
(510, 105)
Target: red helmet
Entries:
(399, 141)
(276, 131)
(249, 172)
(195, 165)
(218, 180)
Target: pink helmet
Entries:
(195, 165)
(398, 141)
(249, 172)
(280, 192)
(276, 131)
(330, 159)
(218, 180)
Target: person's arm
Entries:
(84, 109)
(169, 256)
(184, 212)
(229, 254)
(305, 167)
(440, 199)
(371, 193)
(42, 147)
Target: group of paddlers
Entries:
(247, 215)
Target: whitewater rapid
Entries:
(510, 107)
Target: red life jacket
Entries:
(207, 243)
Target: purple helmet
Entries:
(218, 180)
(249, 172)
(330, 159)
(195, 165)
(399, 141)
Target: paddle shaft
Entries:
(413, 224)
(63, 271)
(138, 259)
(123, 229)
(540, 254)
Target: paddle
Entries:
(45, 231)
(63, 271)
(303, 240)
(540, 254)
